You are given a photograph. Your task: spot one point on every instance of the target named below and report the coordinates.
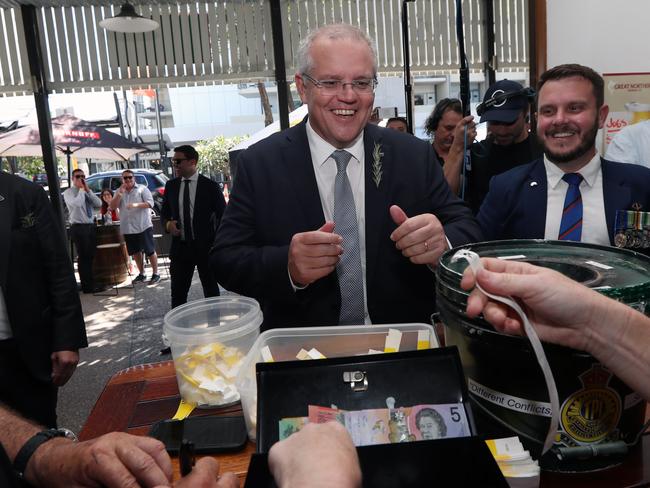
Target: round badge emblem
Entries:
(589, 415)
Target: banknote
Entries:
(291, 425)
(383, 426)
(438, 421)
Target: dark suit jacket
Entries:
(515, 208)
(209, 205)
(37, 277)
(276, 196)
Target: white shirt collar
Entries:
(322, 150)
(194, 177)
(589, 172)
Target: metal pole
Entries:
(39, 86)
(161, 141)
(408, 89)
(280, 66)
(491, 62)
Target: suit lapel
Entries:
(296, 157)
(536, 189)
(6, 219)
(376, 199)
(616, 196)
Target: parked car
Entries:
(41, 179)
(154, 180)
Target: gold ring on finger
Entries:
(426, 246)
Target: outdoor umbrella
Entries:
(71, 136)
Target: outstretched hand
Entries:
(420, 238)
(313, 255)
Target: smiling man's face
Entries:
(341, 117)
(568, 120)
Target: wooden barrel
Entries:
(110, 264)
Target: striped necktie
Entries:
(571, 224)
(349, 267)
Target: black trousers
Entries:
(29, 396)
(85, 240)
(184, 258)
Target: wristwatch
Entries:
(25, 453)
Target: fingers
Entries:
(398, 215)
(120, 461)
(420, 238)
(327, 227)
(313, 255)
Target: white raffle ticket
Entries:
(206, 374)
(393, 340)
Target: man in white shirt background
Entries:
(135, 203)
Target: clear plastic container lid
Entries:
(223, 318)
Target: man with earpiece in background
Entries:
(509, 143)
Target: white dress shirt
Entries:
(193, 184)
(75, 199)
(325, 169)
(135, 220)
(594, 223)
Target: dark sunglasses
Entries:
(127, 177)
(79, 176)
(178, 161)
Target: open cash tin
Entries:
(429, 376)
(334, 341)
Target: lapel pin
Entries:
(637, 206)
(533, 183)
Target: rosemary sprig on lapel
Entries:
(376, 164)
(28, 220)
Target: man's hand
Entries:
(313, 255)
(459, 132)
(319, 455)
(113, 460)
(206, 475)
(173, 229)
(420, 238)
(63, 365)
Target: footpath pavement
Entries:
(123, 330)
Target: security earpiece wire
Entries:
(475, 265)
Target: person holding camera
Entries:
(81, 203)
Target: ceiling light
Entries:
(128, 21)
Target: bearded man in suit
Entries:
(338, 221)
(41, 322)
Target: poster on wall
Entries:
(628, 97)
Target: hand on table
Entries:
(206, 475)
(313, 255)
(420, 238)
(115, 460)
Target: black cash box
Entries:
(430, 376)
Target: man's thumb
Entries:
(398, 215)
(328, 226)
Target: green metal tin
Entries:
(504, 380)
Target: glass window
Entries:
(95, 185)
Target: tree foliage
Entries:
(213, 154)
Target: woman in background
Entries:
(108, 216)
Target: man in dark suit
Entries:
(41, 321)
(571, 193)
(336, 221)
(192, 225)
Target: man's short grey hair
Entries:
(332, 31)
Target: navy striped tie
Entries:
(571, 224)
(345, 222)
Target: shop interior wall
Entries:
(610, 36)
